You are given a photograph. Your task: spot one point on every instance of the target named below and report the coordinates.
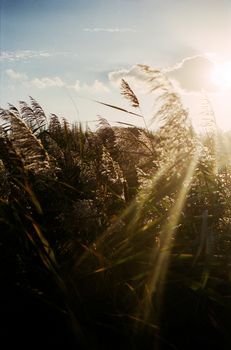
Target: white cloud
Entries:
(45, 82)
(40, 83)
(12, 56)
(109, 30)
(96, 87)
(16, 75)
(193, 74)
(22, 55)
(136, 78)
(132, 72)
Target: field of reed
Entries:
(117, 238)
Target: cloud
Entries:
(16, 75)
(109, 30)
(22, 55)
(133, 72)
(96, 87)
(40, 83)
(134, 76)
(193, 74)
(12, 56)
(46, 82)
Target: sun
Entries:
(221, 75)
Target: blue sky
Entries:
(59, 50)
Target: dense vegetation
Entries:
(118, 237)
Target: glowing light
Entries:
(221, 75)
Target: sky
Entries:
(67, 53)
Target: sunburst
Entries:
(221, 75)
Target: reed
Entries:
(124, 230)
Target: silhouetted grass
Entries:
(119, 237)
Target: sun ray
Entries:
(153, 287)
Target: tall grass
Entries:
(131, 225)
